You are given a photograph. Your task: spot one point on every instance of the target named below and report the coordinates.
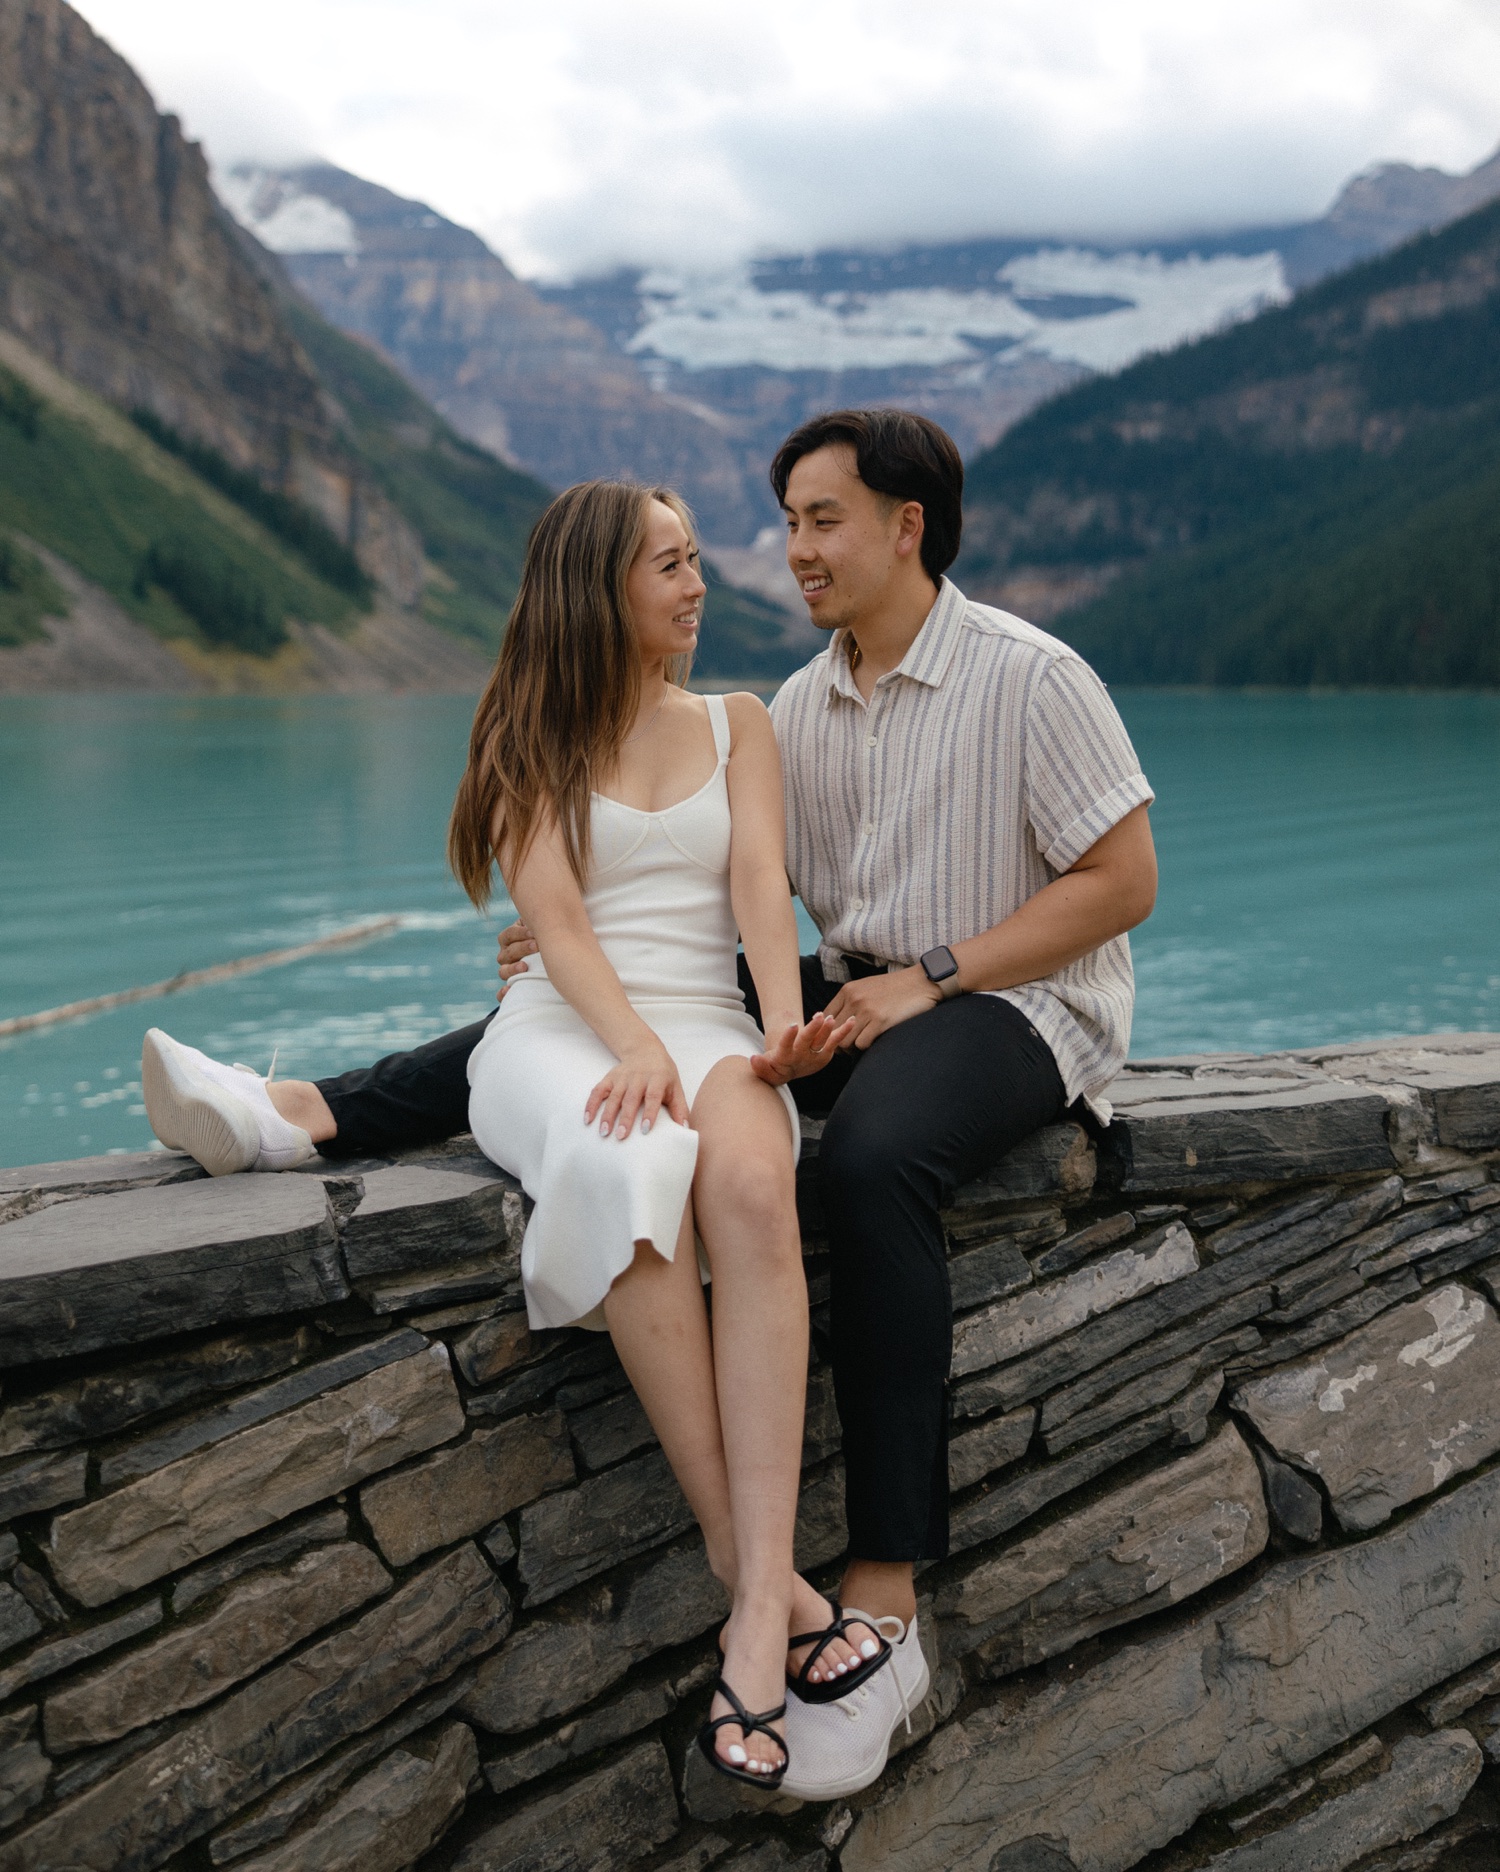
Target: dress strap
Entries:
(718, 716)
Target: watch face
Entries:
(939, 964)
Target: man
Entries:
(967, 827)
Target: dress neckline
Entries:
(660, 812)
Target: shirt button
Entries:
(870, 742)
(856, 903)
(870, 829)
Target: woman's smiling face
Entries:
(664, 588)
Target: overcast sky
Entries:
(580, 134)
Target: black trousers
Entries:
(930, 1104)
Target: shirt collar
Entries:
(931, 652)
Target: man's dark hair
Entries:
(897, 453)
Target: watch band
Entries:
(941, 969)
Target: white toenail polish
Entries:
(868, 1648)
(737, 1755)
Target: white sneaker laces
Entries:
(862, 1695)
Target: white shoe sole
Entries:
(852, 1784)
(189, 1112)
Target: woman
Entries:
(639, 830)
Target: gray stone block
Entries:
(17, 1620)
(601, 1823)
(182, 1439)
(1467, 1689)
(1107, 1232)
(413, 1217)
(1124, 1756)
(390, 1817)
(115, 1270)
(1227, 1321)
(987, 1273)
(1248, 1267)
(1011, 1327)
(1271, 1137)
(1468, 1116)
(292, 1800)
(492, 1347)
(1296, 1506)
(600, 1728)
(1147, 1545)
(447, 1615)
(1056, 1161)
(1426, 1783)
(101, 1403)
(1131, 1400)
(30, 1187)
(39, 1482)
(610, 1431)
(204, 1501)
(565, 1658)
(1369, 1303)
(199, 1659)
(1390, 1412)
(572, 1536)
(61, 1654)
(997, 1510)
(459, 1491)
(24, 1769)
(974, 1454)
(485, 1277)
(284, 1542)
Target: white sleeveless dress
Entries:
(658, 901)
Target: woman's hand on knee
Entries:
(803, 1050)
(643, 1084)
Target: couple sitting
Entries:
(964, 818)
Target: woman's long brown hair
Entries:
(565, 686)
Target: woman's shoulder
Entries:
(748, 718)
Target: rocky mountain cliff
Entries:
(695, 378)
(533, 382)
(119, 266)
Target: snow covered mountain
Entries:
(695, 377)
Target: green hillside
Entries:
(474, 512)
(1310, 497)
(177, 555)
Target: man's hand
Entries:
(802, 1050)
(515, 944)
(883, 1001)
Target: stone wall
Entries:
(312, 1556)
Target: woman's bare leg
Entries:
(658, 1320)
(745, 1203)
(301, 1103)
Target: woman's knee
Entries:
(756, 1187)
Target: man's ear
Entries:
(913, 524)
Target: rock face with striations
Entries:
(313, 1555)
(118, 265)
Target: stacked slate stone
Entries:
(313, 1556)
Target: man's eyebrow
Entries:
(828, 501)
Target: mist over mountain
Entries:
(694, 378)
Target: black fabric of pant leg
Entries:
(932, 1103)
(404, 1099)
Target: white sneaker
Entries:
(838, 1748)
(222, 1115)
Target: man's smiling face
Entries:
(841, 537)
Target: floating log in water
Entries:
(200, 978)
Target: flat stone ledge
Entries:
(144, 1263)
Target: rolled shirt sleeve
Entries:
(1082, 775)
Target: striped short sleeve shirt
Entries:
(982, 767)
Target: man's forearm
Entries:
(1110, 890)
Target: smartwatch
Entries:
(941, 970)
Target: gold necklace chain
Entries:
(650, 724)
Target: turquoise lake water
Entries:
(1330, 871)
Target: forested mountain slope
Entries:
(1311, 497)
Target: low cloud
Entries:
(671, 134)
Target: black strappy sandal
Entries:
(835, 1687)
(745, 1721)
